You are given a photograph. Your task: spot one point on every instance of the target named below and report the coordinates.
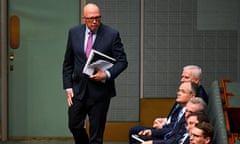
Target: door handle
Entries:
(11, 56)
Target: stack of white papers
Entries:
(97, 60)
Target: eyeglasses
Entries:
(92, 19)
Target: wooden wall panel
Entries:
(149, 110)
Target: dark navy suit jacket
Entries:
(202, 93)
(107, 41)
(174, 135)
(160, 133)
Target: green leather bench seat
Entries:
(216, 115)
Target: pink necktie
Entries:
(89, 44)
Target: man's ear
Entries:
(197, 81)
(208, 140)
(193, 95)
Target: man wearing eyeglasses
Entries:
(90, 95)
(186, 91)
(179, 134)
(190, 73)
(191, 120)
(202, 133)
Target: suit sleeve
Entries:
(120, 55)
(176, 135)
(164, 130)
(68, 65)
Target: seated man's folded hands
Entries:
(159, 123)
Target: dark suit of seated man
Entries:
(186, 91)
(191, 121)
(178, 135)
(190, 73)
(202, 133)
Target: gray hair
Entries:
(200, 102)
(196, 70)
(194, 88)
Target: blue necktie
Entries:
(174, 120)
(175, 113)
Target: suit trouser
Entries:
(97, 113)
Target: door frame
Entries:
(4, 69)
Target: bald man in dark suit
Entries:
(90, 95)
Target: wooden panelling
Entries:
(153, 108)
(117, 131)
(149, 110)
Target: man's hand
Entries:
(148, 142)
(69, 93)
(99, 75)
(159, 123)
(146, 132)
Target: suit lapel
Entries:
(98, 38)
(82, 37)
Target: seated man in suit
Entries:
(187, 90)
(190, 73)
(192, 119)
(193, 113)
(193, 73)
(202, 133)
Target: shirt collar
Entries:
(88, 30)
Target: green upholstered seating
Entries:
(216, 115)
